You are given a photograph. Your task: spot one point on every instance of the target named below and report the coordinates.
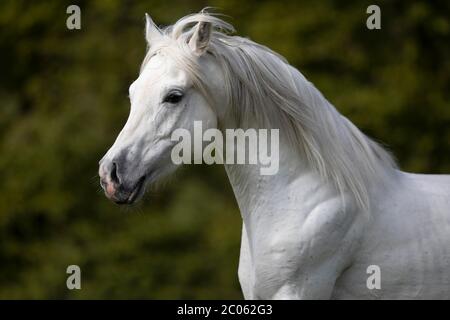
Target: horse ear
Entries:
(200, 38)
(152, 32)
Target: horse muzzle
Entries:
(116, 188)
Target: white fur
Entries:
(338, 203)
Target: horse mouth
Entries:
(137, 192)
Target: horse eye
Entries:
(173, 97)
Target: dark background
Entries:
(63, 100)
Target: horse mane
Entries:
(263, 89)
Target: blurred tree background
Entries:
(63, 100)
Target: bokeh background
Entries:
(63, 100)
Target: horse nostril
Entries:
(114, 177)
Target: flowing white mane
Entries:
(264, 90)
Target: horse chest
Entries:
(296, 254)
(265, 269)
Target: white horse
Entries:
(337, 206)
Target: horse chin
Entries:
(149, 179)
(137, 192)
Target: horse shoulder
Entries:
(312, 250)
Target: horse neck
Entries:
(255, 192)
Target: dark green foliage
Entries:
(63, 100)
